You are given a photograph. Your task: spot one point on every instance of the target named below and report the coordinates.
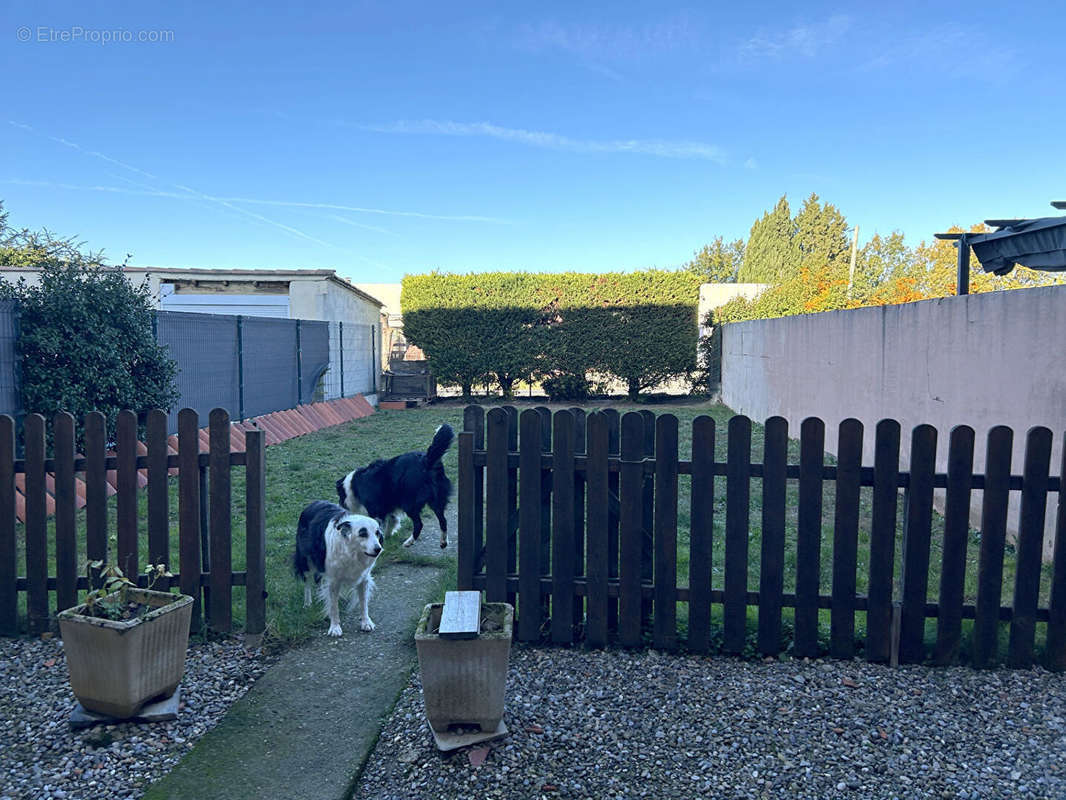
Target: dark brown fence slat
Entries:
(467, 555)
(220, 614)
(664, 630)
(737, 511)
(613, 449)
(772, 559)
(530, 606)
(917, 528)
(189, 511)
(158, 492)
(579, 513)
(36, 519)
(809, 537)
(512, 497)
(474, 422)
(882, 541)
(563, 528)
(596, 568)
(647, 542)
(66, 535)
(993, 541)
(845, 540)
(1056, 628)
(496, 511)
(255, 531)
(701, 535)
(126, 555)
(956, 536)
(95, 490)
(630, 530)
(545, 501)
(1029, 547)
(8, 550)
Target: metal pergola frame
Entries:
(963, 280)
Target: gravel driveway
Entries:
(619, 724)
(41, 757)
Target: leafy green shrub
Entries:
(85, 338)
(566, 387)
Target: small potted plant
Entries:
(125, 645)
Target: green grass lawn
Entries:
(306, 468)
(298, 471)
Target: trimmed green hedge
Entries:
(638, 327)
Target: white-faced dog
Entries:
(405, 483)
(337, 549)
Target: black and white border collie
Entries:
(405, 483)
(337, 549)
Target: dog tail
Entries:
(442, 440)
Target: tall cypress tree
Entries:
(768, 251)
(820, 238)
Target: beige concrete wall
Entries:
(980, 360)
(715, 295)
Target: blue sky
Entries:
(384, 139)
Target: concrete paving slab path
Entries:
(304, 730)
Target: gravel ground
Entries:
(41, 757)
(619, 724)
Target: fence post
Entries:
(299, 367)
(496, 506)
(189, 510)
(8, 594)
(255, 533)
(467, 554)
(996, 495)
(737, 531)
(373, 361)
(340, 350)
(36, 521)
(562, 627)
(630, 532)
(66, 547)
(221, 607)
(126, 555)
(240, 366)
(917, 528)
(529, 526)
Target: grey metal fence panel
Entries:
(314, 344)
(352, 366)
(269, 365)
(205, 347)
(10, 391)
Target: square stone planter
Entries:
(118, 666)
(463, 680)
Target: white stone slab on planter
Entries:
(461, 617)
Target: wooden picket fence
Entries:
(66, 481)
(575, 519)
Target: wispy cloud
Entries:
(600, 42)
(959, 53)
(751, 163)
(230, 204)
(354, 224)
(365, 210)
(804, 40)
(553, 141)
